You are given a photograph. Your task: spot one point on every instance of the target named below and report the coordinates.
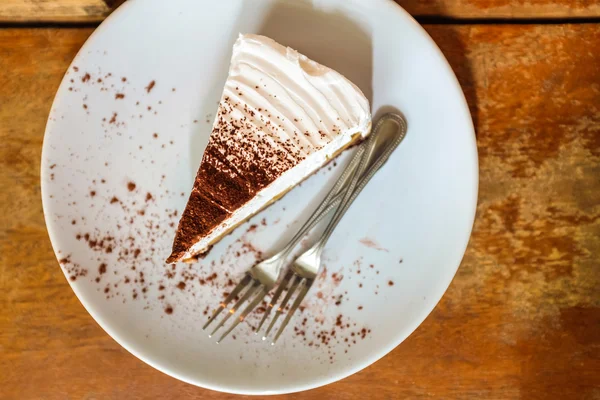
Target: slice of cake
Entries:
(281, 117)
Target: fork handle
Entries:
(336, 194)
(330, 200)
(365, 171)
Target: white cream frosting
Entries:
(293, 103)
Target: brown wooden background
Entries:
(521, 319)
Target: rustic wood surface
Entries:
(521, 319)
(53, 10)
(97, 10)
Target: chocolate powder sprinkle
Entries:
(226, 183)
(150, 86)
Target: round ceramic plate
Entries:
(124, 139)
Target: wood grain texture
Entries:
(521, 319)
(97, 10)
(53, 10)
(508, 9)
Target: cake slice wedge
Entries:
(281, 117)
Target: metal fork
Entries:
(261, 278)
(305, 268)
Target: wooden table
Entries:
(521, 319)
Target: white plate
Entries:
(397, 249)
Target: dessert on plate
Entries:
(281, 117)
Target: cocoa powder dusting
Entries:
(234, 167)
(134, 251)
(150, 86)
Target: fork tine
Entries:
(251, 289)
(290, 292)
(284, 283)
(305, 286)
(247, 278)
(259, 296)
